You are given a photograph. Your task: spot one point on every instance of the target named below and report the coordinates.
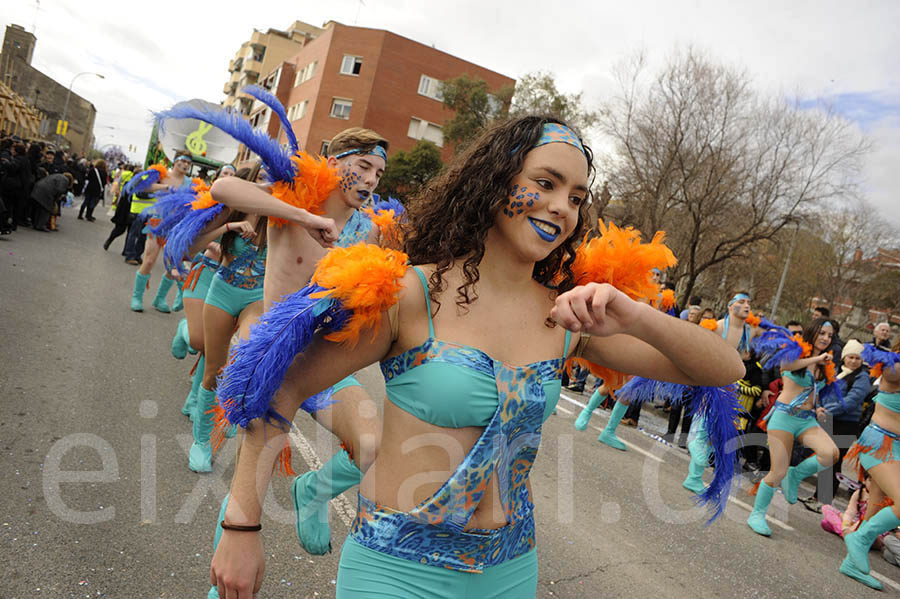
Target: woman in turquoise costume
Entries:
(877, 451)
(806, 368)
(472, 351)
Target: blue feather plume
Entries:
(638, 390)
(389, 204)
(872, 355)
(259, 364)
(767, 325)
(276, 159)
(183, 234)
(141, 182)
(777, 347)
(272, 102)
(719, 409)
(170, 208)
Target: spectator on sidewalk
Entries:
(93, 190)
(47, 195)
(881, 336)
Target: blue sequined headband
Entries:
(184, 157)
(557, 133)
(376, 151)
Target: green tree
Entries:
(475, 107)
(407, 172)
(536, 93)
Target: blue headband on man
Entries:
(738, 297)
(376, 151)
(184, 157)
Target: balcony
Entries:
(229, 88)
(235, 77)
(252, 66)
(258, 38)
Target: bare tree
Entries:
(721, 168)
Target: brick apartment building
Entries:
(360, 77)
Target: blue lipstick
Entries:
(543, 234)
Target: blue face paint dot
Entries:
(519, 211)
(530, 203)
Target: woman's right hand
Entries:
(238, 565)
(822, 359)
(242, 228)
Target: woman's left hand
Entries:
(821, 413)
(597, 309)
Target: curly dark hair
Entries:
(451, 216)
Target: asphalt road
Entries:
(97, 500)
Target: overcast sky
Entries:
(843, 53)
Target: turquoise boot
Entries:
(796, 474)
(757, 519)
(213, 591)
(848, 569)
(608, 436)
(137, 296)
(159, 300)
(181, 342)
(858, 543)
(178, 304)
(311, 493)
(200, 458)
(191, 401)
(699, 449)
(581, 423)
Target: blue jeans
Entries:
(134, 243)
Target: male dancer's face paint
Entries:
(740, 306)
(541, 210)
(182, 166)
(360, 174)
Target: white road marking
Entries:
(342, 506)
(885, 580)
(596, 428)
(564, 410)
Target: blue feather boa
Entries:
(275, 159)
(639, 390)
(719, 408)
(258, 365)
(272, 102)
(389, 204)
(171, 207)
(872, 355)
(183, 234)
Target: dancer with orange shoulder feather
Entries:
(877, 452)
(499, 228)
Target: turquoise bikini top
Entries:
(809, 384)
(453, 385)
(889, 400)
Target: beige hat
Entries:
(852, 348)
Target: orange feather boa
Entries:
(310, 188)
(710, 324)
(366, 279)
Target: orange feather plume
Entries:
(620, 258)
(309, 189)
(366, 279)
(710, 324)
(829, 371)
(161, 169)
(753, 320)
(668, 299)
(204, 200)
(387, 224)
(613, 379)
(876, 370)
(807, 348)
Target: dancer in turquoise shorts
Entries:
(806, 366)
(471, 344)
(877, 451)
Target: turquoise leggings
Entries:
(365, 573)
(231, 299)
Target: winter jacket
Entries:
(853, 398)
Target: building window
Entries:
(420, 129)
(298, 110)
(323, 151)
(430, 87)
(351, 65)
(306, 73)
(340, 109)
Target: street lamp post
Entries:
(69, 94)
(784, 272)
